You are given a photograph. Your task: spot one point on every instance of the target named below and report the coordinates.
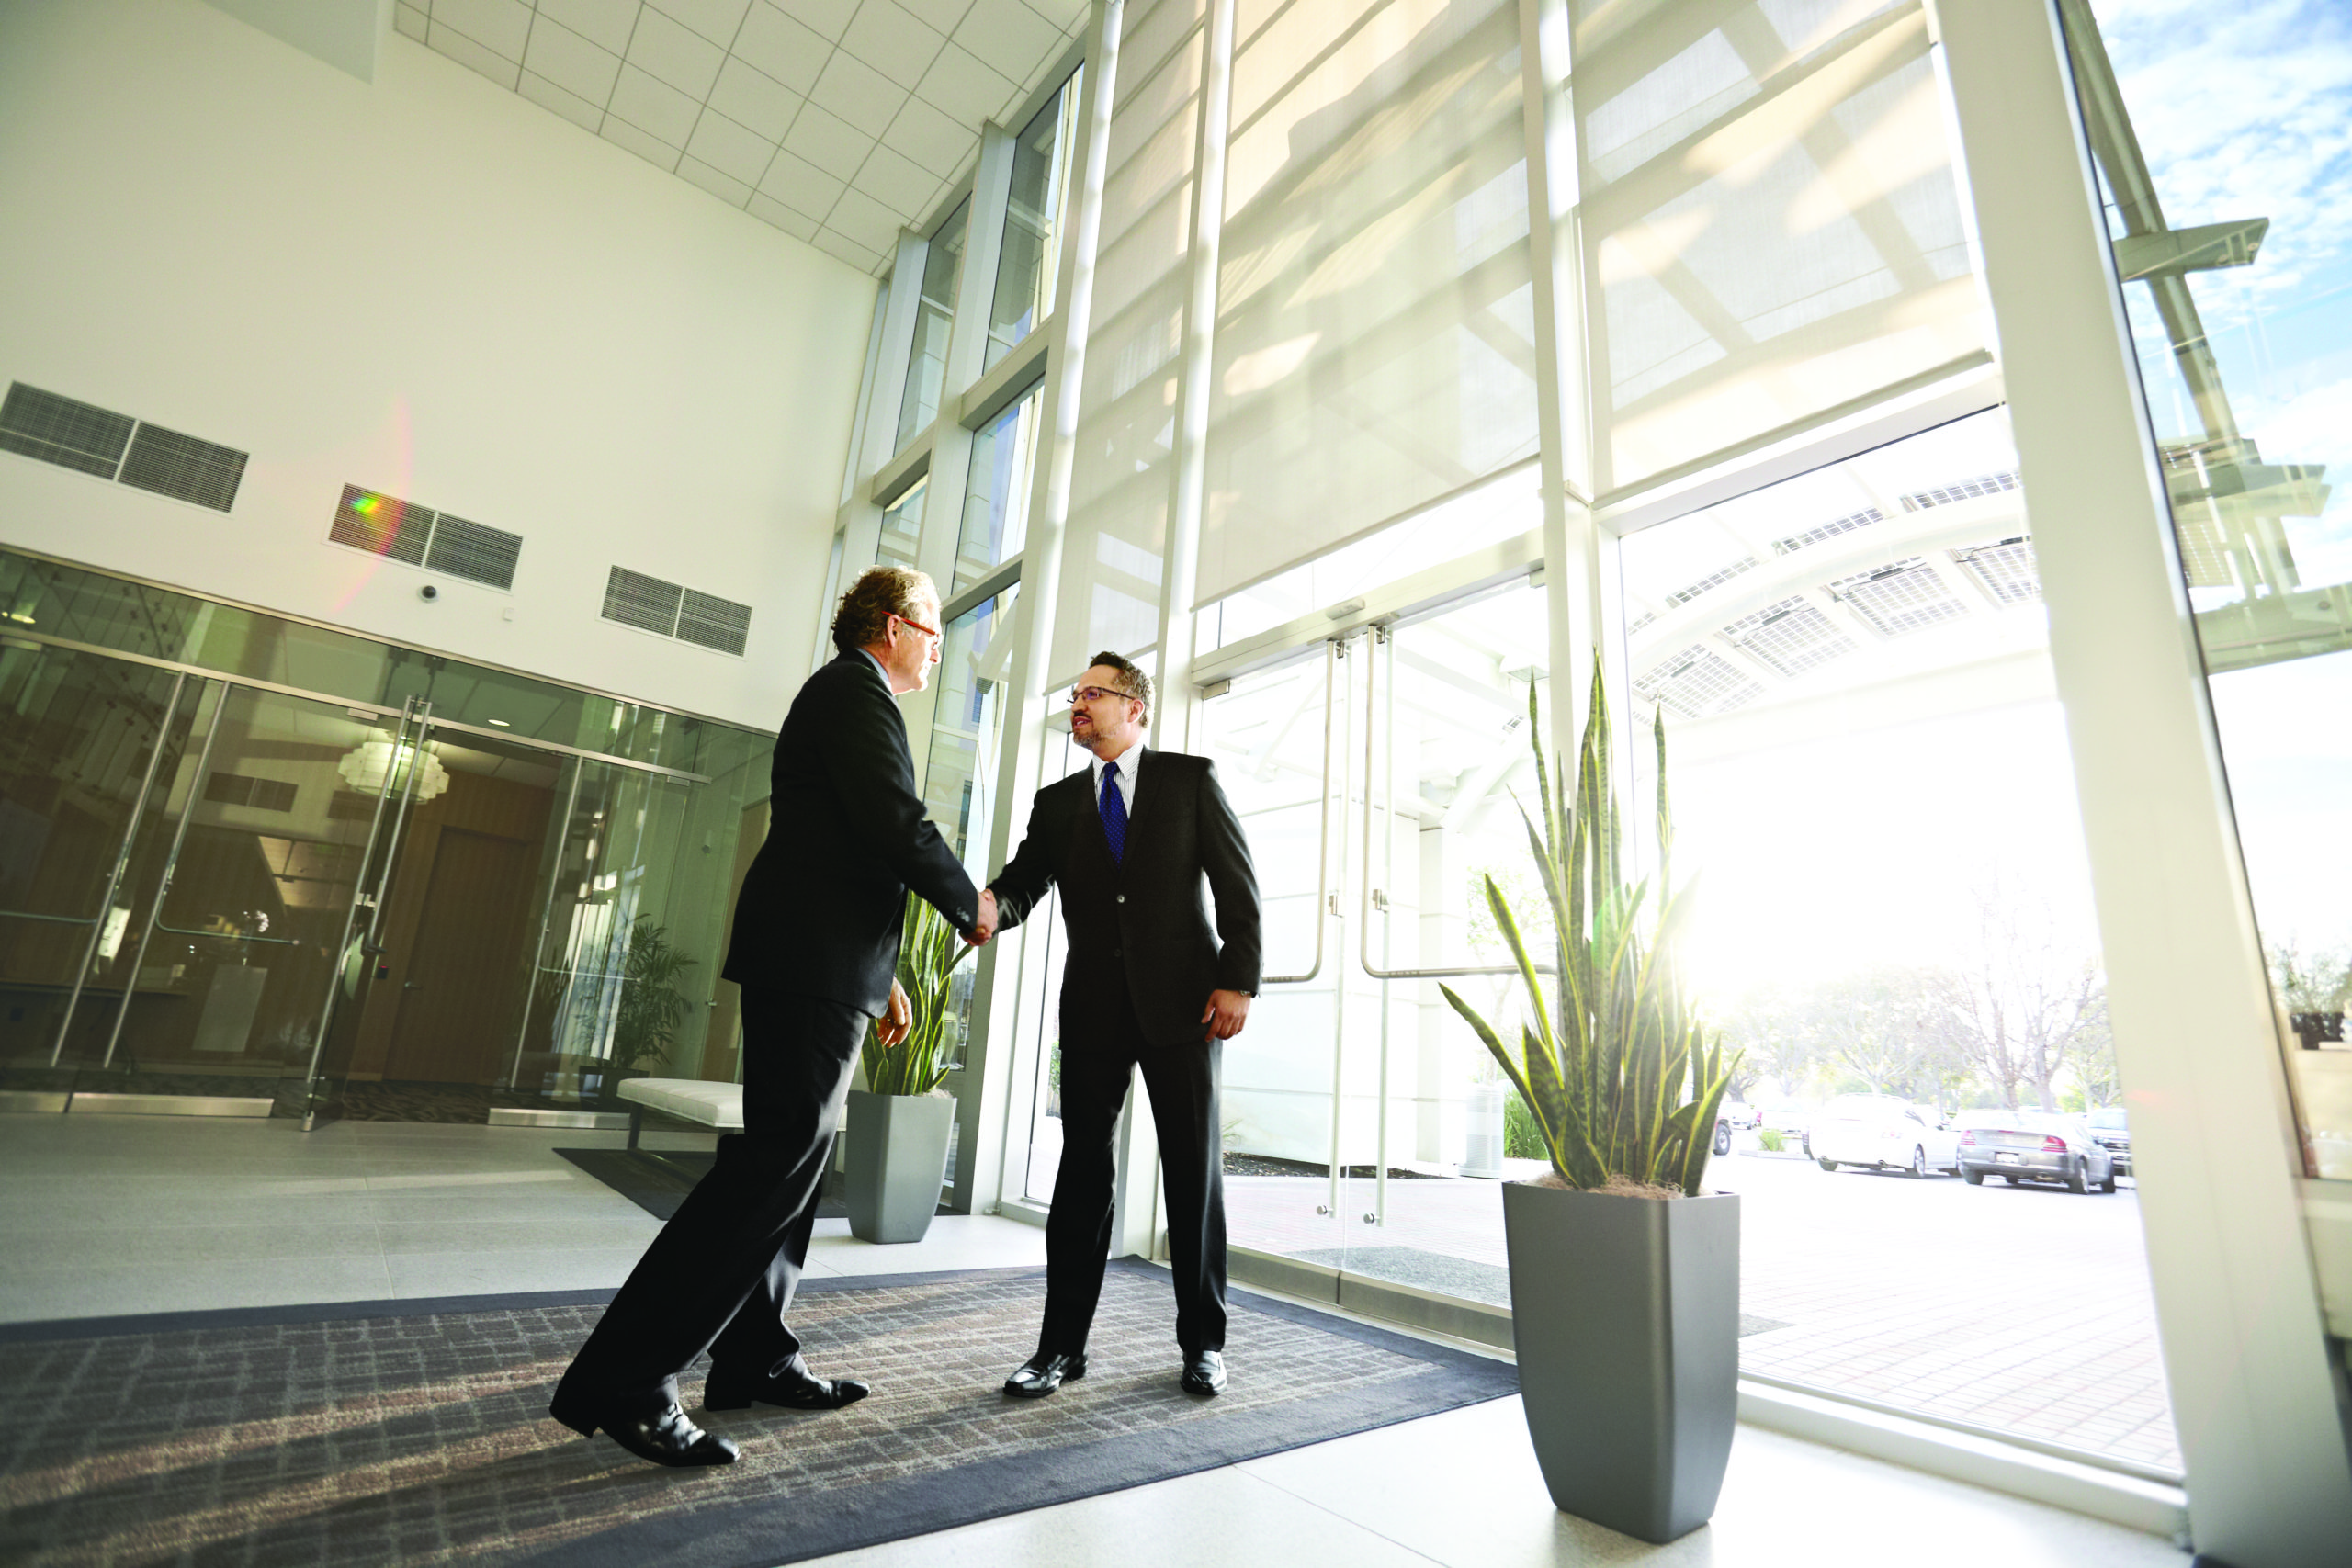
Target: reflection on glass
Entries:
(1871, 783)
(1044, 1006)
(959, 779)
(996, 501)
(935, 316)
(902, 527)
(2237, 280)
(1032, 254)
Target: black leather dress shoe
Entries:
(1041, 1374)
(796, 1390)
(663, 1436)
(1204, 1373)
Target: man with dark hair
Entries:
(815, 948)
(1146, 985)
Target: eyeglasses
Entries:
(1087, 694)
(932, 632)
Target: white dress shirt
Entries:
(1128, 760)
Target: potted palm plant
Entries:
(1624, 1276)
(898, 1124)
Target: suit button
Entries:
(1118, 953)
(1122, 898)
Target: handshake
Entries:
(985, 927)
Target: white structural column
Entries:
(1573, 581)
(2196, 1038)
(1011, 968)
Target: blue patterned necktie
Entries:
(1114, 812)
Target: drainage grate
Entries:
(474, 552)
(184, 468)
(90, 440)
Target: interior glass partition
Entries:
(2237, 283)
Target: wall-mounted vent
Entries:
(92, 440)
(650, 604)
(34, 424)
(184, 468)
(418, 536)
(261, 794)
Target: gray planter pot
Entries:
(898, 1157)
(1626, 1313)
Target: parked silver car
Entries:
(2113, 1129)
(2034, 1146)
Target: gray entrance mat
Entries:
(385, 1432)
(1449, 1276)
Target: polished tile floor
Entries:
(103, 1215)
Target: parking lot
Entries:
(2023, 1309)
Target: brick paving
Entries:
(2021, 1309)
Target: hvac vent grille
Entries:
(1696, 684)
(34, 424)
(418, 536)
(1846, 525)
(474, 552)
(1966, 490)
(1904, 597)
(184, 468)
(650, 604)
(1792, 637)
(2007, 570)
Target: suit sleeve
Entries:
(873, 775)
(1232, 888)
(1028, 877)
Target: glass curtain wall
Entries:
(934, 319)
(508, 901)
(1030, 260)
(2237, 281)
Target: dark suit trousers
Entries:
(1182, 1083)
(721, 1274)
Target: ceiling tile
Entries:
(892, 42)
(570, 62)
(1007, 36)
(783, 48)
(653, 106)
(865, 222)
(675, 53)
(858, 94)
(962, 88)
(500, 26)
(410, 20)
(728, 188)
(826, 141)
(930, 138)
(731, 149)
(714, 20)
(902, 186)
(829, 17)
(1067, 15)
(940, 16)
(857, 255)
(604, 23)
(755, 99)
(467, 53)
(653, 149)
(571, 106)
(802, 185)
(800, 226)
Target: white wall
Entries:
(425, 286)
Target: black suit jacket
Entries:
(1146, 917)
(824, 901)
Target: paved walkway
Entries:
(2020, 1309)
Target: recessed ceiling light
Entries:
(501, 724)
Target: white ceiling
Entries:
(838, 121)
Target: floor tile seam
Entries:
(1243, 1470)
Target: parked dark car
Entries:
(2113, 1129)
(2034, 1146)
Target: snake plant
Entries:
(1621, 1074)
(927, 957)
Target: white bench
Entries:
(719, 1105)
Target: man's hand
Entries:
(897, 1020)
(1224, 1015)
(985, 927)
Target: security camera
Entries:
(428, 594)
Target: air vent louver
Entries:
(184, 468)
(474, 552)
(650, 604)
(34, 424)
